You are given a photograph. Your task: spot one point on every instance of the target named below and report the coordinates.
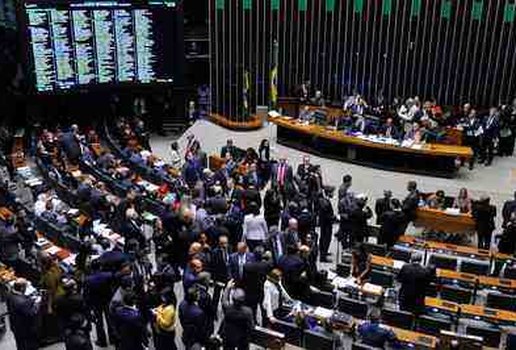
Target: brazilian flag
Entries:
(245, 94)
(273, 93)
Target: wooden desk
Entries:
(488, 313)
(434, 219)
(420, 340)
(442, 305)
(459, 276)
(382, 261)
(430, 159)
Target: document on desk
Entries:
(340, 282)
(323, 313)
(398, 264)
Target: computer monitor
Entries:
(450, 340)
(432, 325)
(456, 294)
(353, 307)
(475, 267)
(400, 254)
(293, 334)
(381, 278)
(323, 299)
(491, 336)
(267, 338)
(443, 262)
(376, 249)
(501, 301)
(510, 272)
(315, 340)
(398, 318)
(343, 270)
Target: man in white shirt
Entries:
(274, 295)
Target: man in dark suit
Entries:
(255, 273)
(238, 321)
(206, 300)
(326, 219)
(70, 144)
(131, 325)
(410, 203)
(389, 129)
(276, 243)
(303, 169)
(358, 218)
(509, 207)
(22, 317)
(219, 267)
(193, 320)
(228, 148)
(382, 205)
(392, 222)
(292, 266)
(282, 176)
(414, 279)
(251, 195)
(238, 260)
(484, 214)
(272, 206)
(252, 177)
(491, 132)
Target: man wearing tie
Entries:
(473, 130)
(382, 205)
(276, 243)
(238, 260)
(491, 132)
(282, 176)
(389, 129)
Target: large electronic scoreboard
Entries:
(101, 43)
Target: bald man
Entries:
(238, 260)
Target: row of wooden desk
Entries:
(432, 159)
(440, 220)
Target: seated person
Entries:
(463, 201)
(415, 133)
(318, 99)
(389, 129)
(274, 296)
(437, 200)
(507, 242)
(373, 333)
(305, 115)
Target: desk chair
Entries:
(510, 272)
(475, 267)
(501, 301)
(456, 294)
(314, 340)
(362, 346)
(343, 270)
(293, 334)
(345, 258)
(432, 325)
(400, 254)
(381, 278)
(352, 307)
(376, 249)
(443, 262)
(398, 318)
(490, 335)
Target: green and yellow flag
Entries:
(273, 93)
(245, 94)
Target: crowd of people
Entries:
(215, 242)
(487, 132)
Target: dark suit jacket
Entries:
(484, 215)
(233, 264)
(380, 207)
(254, 277)
(238, 326)
(508, 208)
(395, 134)
(22, 315)
(193, 320)
(289, 176)
(226, 149)
(414, 279)
(272, 242)
(132, 327)
(219, 266)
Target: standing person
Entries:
(509, 207)
(463, 201)
(272, 206)
(358, 217)
(22, 316)
(264, 160)
(276, 243)
(164, 325)
(193, 320)
(393, 221)
(414, 279)
(219, 268)
(491, 133)
(175, 156)
(382, 205)
(360, 263)
(282, 175)
(473, 131)
(206, 300)
(410, 203)
(238, 260)
(255, 227)
(228, 148)
(131, 325)
(326, 219)
(484, 213)
(238, 321)
(345, 206)
(254, 278)
(505, 147)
